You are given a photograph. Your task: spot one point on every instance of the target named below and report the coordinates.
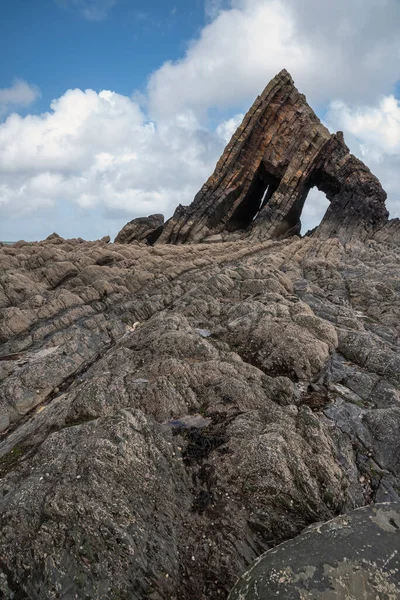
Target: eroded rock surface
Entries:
(261, 181)
(169, 413)
(353, 556)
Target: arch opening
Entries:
(314, 210)
(305, 214)
(259, 194)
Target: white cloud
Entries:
(347, 48)
(376, 127)
(226, 129)
(213, 7)
(98, 151)
(373, 134)
(232, 61)
(92, 10)
(314, 210)
(20, 93)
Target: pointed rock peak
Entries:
(283, 74)
(260, 184)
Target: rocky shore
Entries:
(289, 352)
(168, 413)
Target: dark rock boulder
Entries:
(143, 229)
(353, 556)
(260, 184)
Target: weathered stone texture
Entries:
(390, 233)
(354, 556)
(169, 413)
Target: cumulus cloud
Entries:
(226, 129)
(98, 151)
(333, 49)
(232, 61)
(92, 10)
(373, 134)
(20, 93)
(213, 7)
(376, 127)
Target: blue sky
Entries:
(111, 109)
(53, 45)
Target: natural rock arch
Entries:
(280, 151)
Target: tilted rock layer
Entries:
(169, 413)
(261, 182)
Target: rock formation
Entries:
(390, 233)
(170, 412)
(143, 229)
(320, 564)
(261, 182)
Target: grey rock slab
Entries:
(188, 421)
(354, 556)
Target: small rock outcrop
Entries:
(143, 229)
(260, 184)
(353, 556)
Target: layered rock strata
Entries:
(169, 413)
(260, 184)
(390, 233)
